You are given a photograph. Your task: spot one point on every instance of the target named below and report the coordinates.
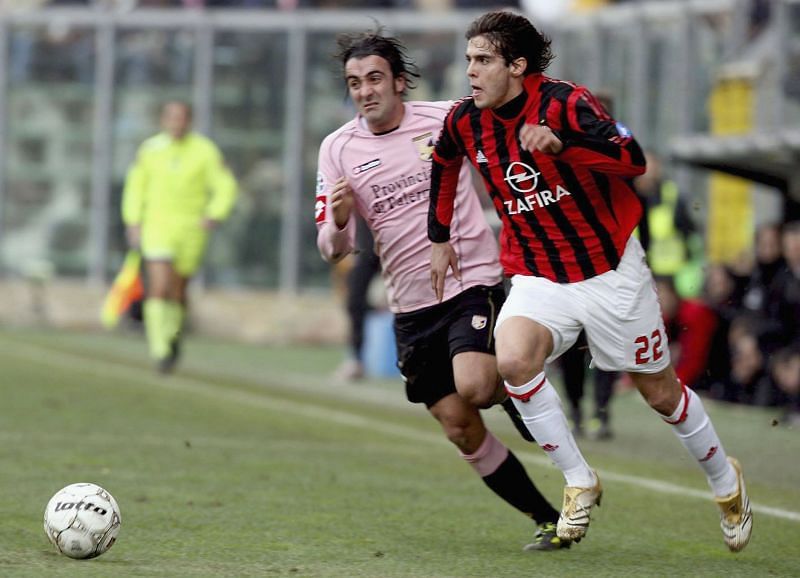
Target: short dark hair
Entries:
(791, 227)
(513, 36)
(373, 43)
(182, 103)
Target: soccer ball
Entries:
(82, 520)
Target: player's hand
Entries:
(539, 137)
(443, 257)
(342, 201)
(133, 233)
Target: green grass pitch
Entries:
(250, 461)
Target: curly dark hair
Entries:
(374, 43)
(513, 36)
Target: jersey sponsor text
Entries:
(535, 199)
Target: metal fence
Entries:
(80, 89)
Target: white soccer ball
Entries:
(82, 520)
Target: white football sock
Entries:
(691, 424)
(541, 410)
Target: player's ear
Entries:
(400, 84)
(518, 66)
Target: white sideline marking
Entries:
(43, 355)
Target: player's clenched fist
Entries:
(341, 202)
(538, 137)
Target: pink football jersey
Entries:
(390, 177)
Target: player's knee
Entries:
(478, 389)
(517, 369)
(459, 427)
(522, 346)
(480, 396)
(159, 292)
(662, 395)
(661, 403)
(458, 436)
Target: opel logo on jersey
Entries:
(521, 177)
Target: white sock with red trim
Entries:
(693, 427)
(541, 410)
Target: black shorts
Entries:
(428, 339)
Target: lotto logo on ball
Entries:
(86, 506)
(82, 520)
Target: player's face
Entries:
(791, 247)
(493, 81)
(175, 119)
(377, 94)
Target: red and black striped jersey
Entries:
(566, 217)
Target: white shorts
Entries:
(619, 311)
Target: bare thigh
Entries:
(163, 282)
(476, 378)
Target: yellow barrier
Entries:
(730, 217)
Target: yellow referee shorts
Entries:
(182, 242)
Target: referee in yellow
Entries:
(176, 192)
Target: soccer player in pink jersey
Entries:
(558, 169)
(378, 165)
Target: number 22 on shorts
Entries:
(649, 349)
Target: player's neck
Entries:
(513, 107)
(391, 124)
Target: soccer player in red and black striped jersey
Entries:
(378, 166)
(558, 169)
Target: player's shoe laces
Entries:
(546, 538)
(736, 517)
(516, 419)
(576, 513)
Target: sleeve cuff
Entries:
(438, 233)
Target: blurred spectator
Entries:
(673, 239)
(690, 325)
(367, 265)
(784, 294)
(56, 53)
(755, 285)
(749, 382)
(720, 294)
(573, 371)
(785, 371)
(760, 13)
(768, 263)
